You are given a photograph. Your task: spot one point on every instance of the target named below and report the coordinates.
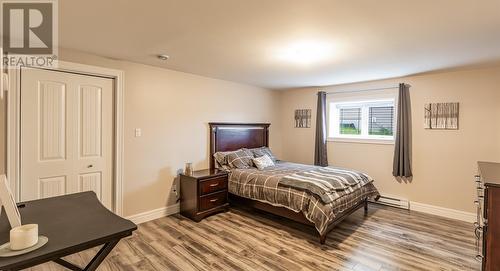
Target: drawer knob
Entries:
(214, 200)
(214, 184)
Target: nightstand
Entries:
(203, 193)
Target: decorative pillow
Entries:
(221, 159)
(224, 167)
(240, 159)
(263, 162)
(258, 152)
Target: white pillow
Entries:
(263, 162)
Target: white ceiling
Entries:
(245, 40)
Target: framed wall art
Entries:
(443, 116)
(303, 118)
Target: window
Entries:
(381, 120)
(350, 121)
(362, 120)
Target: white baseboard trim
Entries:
(154, 214)
(444, 212)
(414, 206)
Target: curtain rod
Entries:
(363, 90)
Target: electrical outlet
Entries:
(174, 190)
(138, 132)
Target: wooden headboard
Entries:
(233, 136)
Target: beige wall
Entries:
(444, 162)
(173, 109)
(3, 134)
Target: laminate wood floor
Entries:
(386, 239)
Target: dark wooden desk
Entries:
(72, 223)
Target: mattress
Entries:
(272, 186)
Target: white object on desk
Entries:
(4, 84)
(5, 250)
(23, 237)
(9, 205)
(4, 77)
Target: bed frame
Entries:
(233, 136)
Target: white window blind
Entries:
(362, 120)
(381, 120)
(350, 121)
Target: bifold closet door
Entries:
(66, 134)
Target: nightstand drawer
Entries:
(213, 185)
(213, 200)
(203, 193)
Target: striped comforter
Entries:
(327, 183)
(293, 186)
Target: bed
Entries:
(282, 189)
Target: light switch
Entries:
(138, 132)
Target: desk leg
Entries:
(101, 255)
(95, 262)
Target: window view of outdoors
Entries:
(350, 121)
(381, 120)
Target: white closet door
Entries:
(66, 134)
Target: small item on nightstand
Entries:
(188, 170)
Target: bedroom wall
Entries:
(444, 162)
(173, 110)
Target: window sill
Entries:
(362, 140)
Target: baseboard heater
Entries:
(393, 202)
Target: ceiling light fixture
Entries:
(163, 57)
(306, 52)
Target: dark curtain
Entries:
(402, 150)
(320, 152)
